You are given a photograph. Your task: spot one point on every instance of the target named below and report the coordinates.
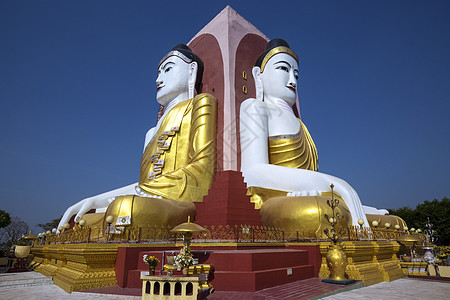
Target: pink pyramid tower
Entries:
(229, 46)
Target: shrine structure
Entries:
(246, 255)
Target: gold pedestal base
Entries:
(52, 259)
(77, 267)
(415, 268)
(388, 263)
(368, 261)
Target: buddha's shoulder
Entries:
(204, 99)
(252, 105)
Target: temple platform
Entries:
(239, 267)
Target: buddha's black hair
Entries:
(272, 44)
(189, 54)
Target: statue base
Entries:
(242, 266)
(77, 267)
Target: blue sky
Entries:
(77, 92)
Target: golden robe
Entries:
(293, 151)
(301, 216)
(178, 165)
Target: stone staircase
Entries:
(23, 279)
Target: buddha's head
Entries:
(276, 72)
(179, 74)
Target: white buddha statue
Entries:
(178, 163)
(278, 155)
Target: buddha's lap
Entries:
(302, 214)
(147, 211)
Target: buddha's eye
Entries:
(296, 76)
(283, 68)
(168, 69)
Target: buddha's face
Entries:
(172, 80)
(279, 79)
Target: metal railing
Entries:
(213, 234)
(158, 234)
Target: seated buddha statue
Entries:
(279, 159)
(179, 159)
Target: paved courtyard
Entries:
(35, 286)
(404, 288)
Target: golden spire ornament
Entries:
(336, 258)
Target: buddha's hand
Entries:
(303, 193)
(83, 207)
(74, 209)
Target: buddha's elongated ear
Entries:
(256, 72)
(193, 67)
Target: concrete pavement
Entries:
(35, 286)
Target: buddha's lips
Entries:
(159, 87)
(291, 88)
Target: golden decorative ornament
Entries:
(412, 229)
(397, 227)
(22, 251)
(408, 243)
(409, 238)
(337, 262)
(383, 219)
(30, 236)
(109, 219)
(361, 222)
(374, 223)
(82, 222)
(188, 227)
(387, 225)
(66, 225)
(49, 232)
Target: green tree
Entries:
(5, 219)
(50, 225)
(436, 212)
(11, 234)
